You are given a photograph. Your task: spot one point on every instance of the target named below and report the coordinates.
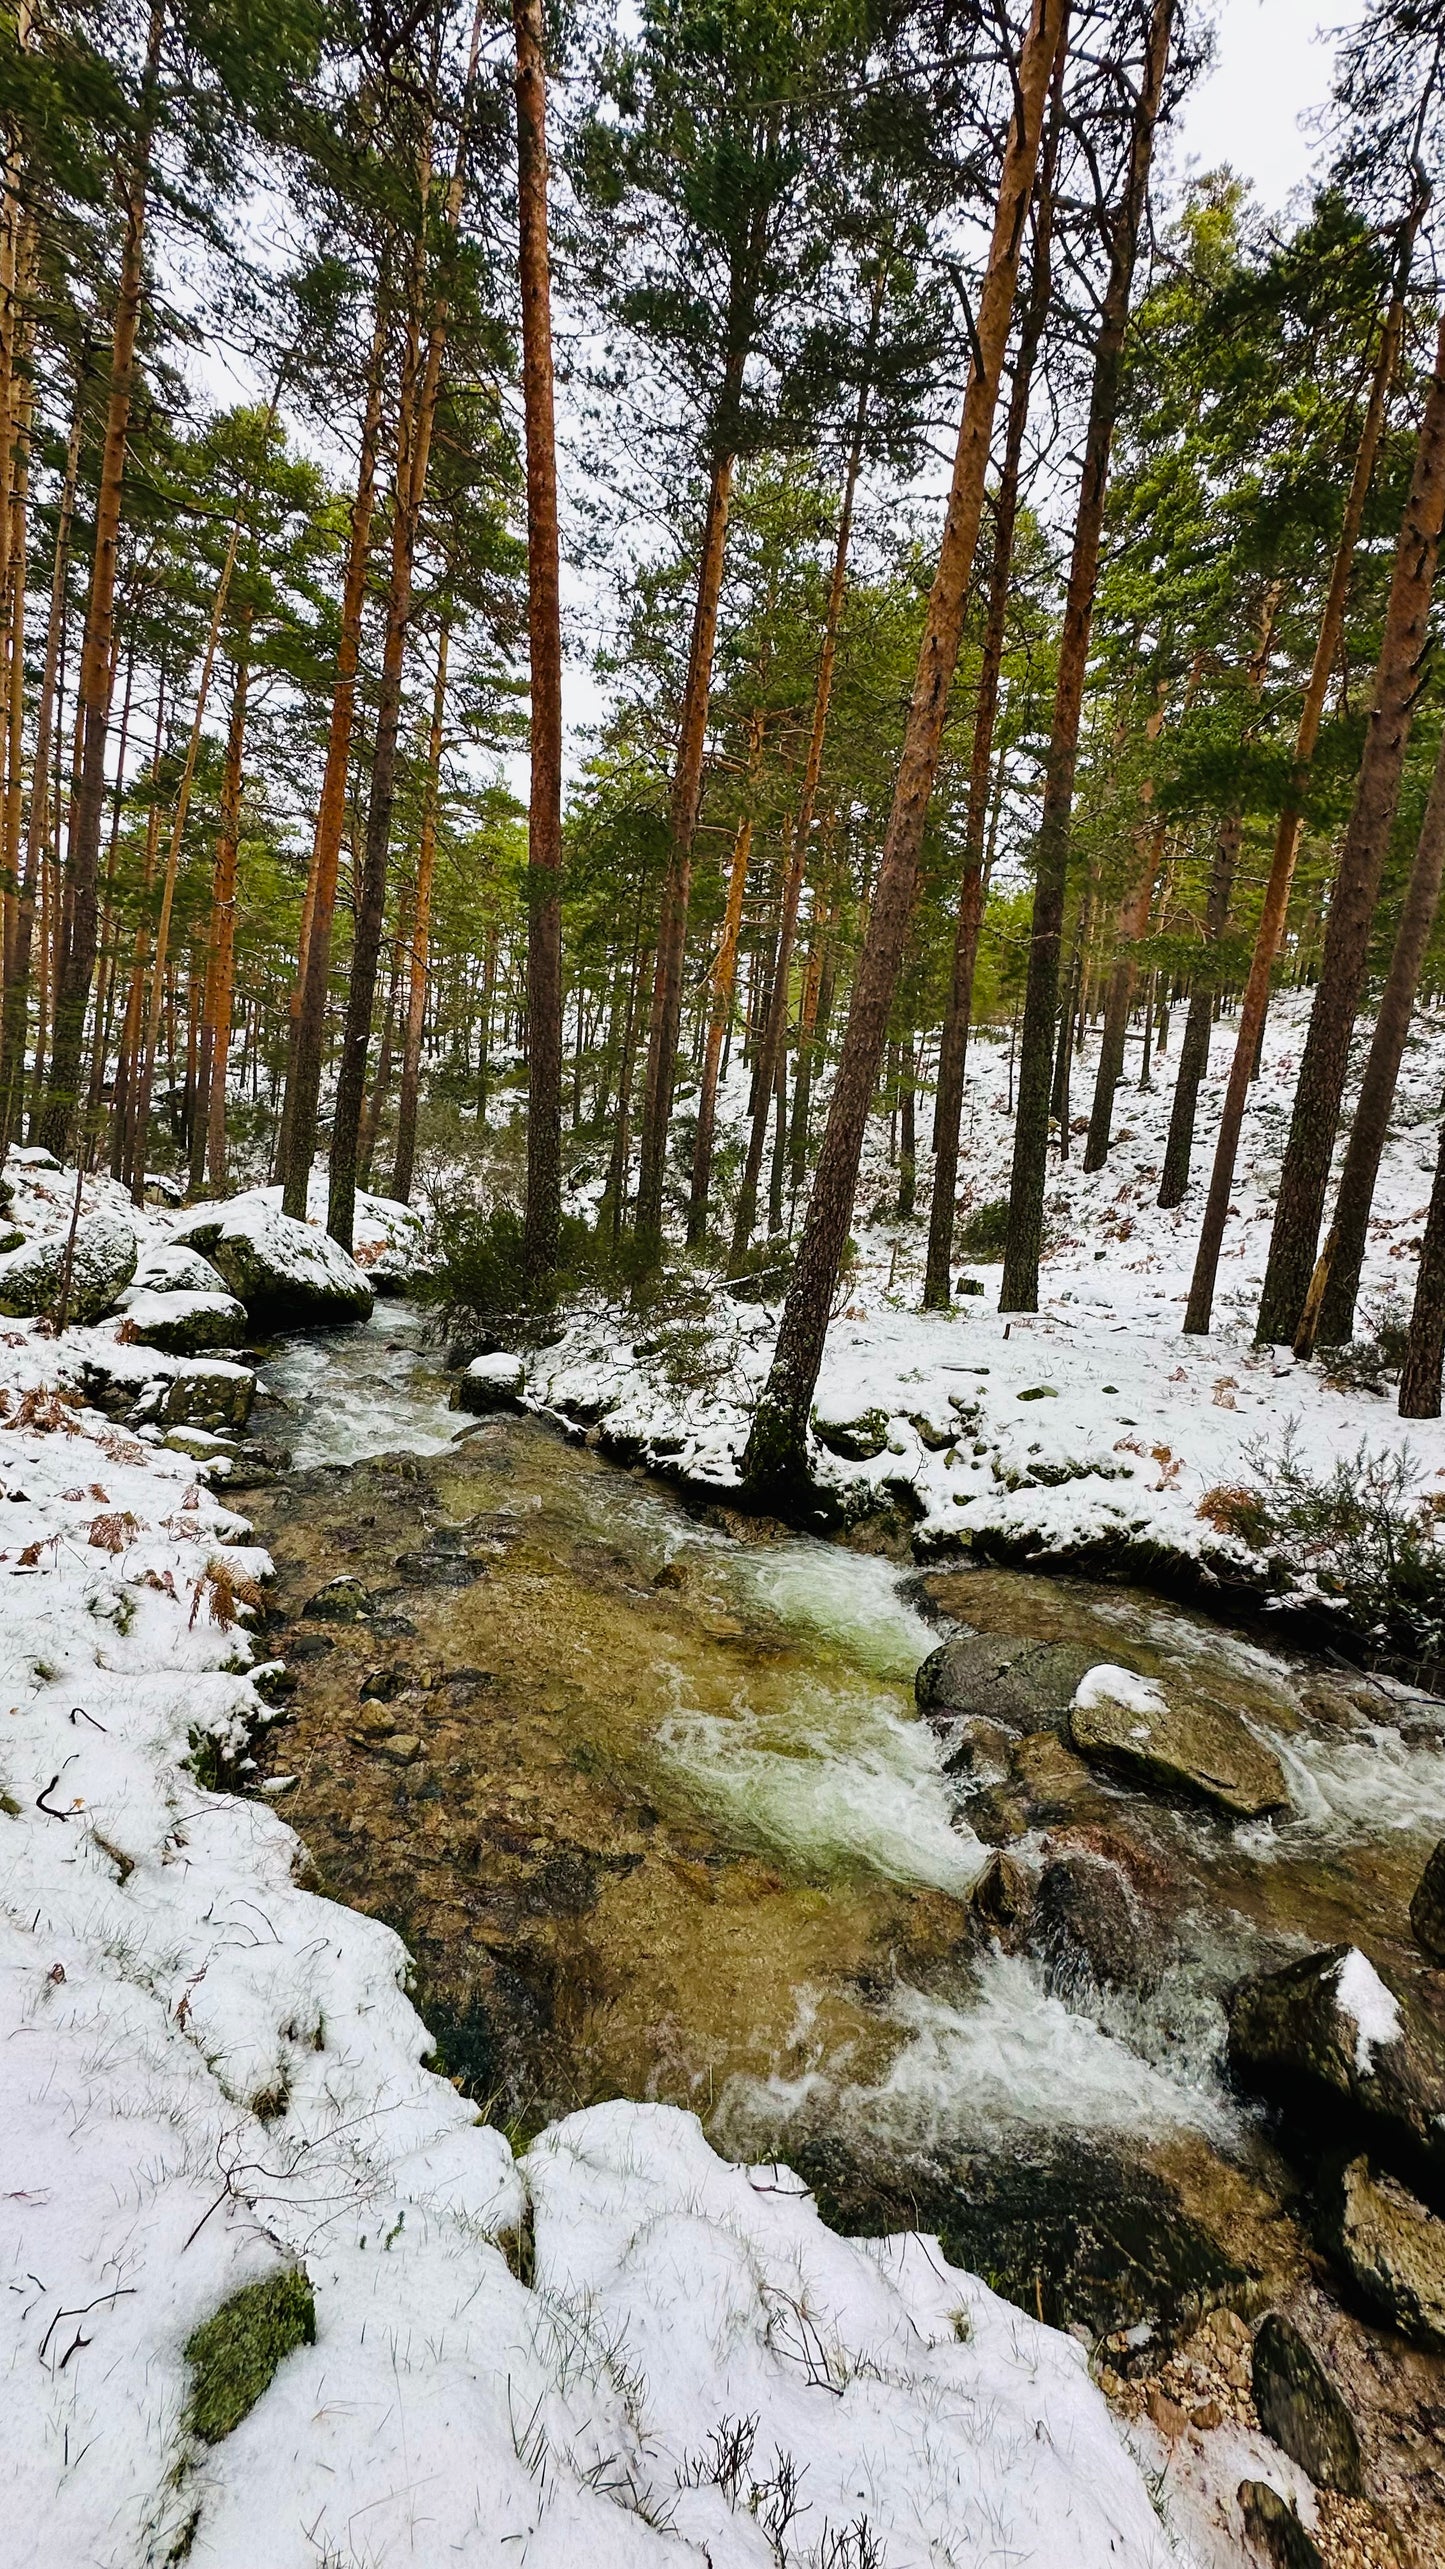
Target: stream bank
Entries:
(648, 1799)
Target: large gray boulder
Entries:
(1347, 2061)
(170, 1269)
(1391, 2248)
(1128, 1724)
(101, 1267)
(288, 1274)
(1023, 1684)
(182, 1323)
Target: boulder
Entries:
(490, 1382)
(206, 1391)
(1298, 2404)
(1427, 1908)
(1001, 1901)
(101, 1268)
(856, 1434)
(1346, 2061)
(342, 1600)
(1272, 2524)
(1097, 1914)
(288, 1274)
(1392, 2250)
(1023, 1684)
(1051, 1779)
(978, 1748)
(1128, 1724)
(172, 1270)
(182, 1323)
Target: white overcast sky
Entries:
(1271, 68)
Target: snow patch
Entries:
(1363, 1997)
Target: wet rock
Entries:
(1089, 1923)
(996, 1815)
(1001, 1901)
(101, 1268)
(1021, 1683)
(383, 1685)
(1391, 2248)
(288, 1274)
(1427, 1908)
(1299, 2406)
(1128, 1724)
(1346, 2060)
(1052, 1780)
(1274, 2526)
(342, 1600)
(181, 1323)
(856, 1435)
(490, 1382)
(301, 1646)
(438, 1569)
(979, 1749)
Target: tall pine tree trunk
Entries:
(722, 984)
(544, 827)
(420, 936)
(777, 1448)
(953, 1042)
(75, 962)
(1119, 999)
(1420, 1373)
(1399, 677)
(208, 1141)
(1249, 1030)
(1020, 1291)
(1377, 1089)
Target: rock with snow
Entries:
(101, 1267)
(1004, 1677)
(32, 1158)
(1427, 1907)
(1129, 1725)
(1392, 2250)
(857, 1433)
(181, 1323)
(166, 1269)
(206, 1391)
(490, 1382)
(1298, 2404)
(1347, 2061)
(288, 1274)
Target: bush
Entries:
(982, 1235)
(1367, 1363)
(1359, 1534)
(234, 2354)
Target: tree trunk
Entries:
(1377, 1089)
(420, 935)
(777, 1447)
(1020, 1291)
(1399, 677)
(1194, 1044)
(973, 888)
(1133, 924)
(76, 953)
(1249, 1031)
(544, 829)
(720, 1002)
(677, 883)
(208, 1145)
(774, 1043)
(1420, 1373)
(303, 1083)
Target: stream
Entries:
(649, 1800)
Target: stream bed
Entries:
(644, 1789)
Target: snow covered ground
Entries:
(1091, 1425)
(617, 2349)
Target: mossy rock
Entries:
(235, 2353)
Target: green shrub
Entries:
(234, 2354)
(1360, 1533)
(983, 1233)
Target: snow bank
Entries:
(621, 2351)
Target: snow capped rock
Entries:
(164, 1269)
(1363, 1995)
(182, 1323)
(102, 1264)
(286, 1273)
(491, 1382)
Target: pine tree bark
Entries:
(723, 983)
(75, 964)
(1399, 677)
(777, 1447)
(1425, 1346)
(953, 1042)
(1254, 1006)
(1199, 1021)
(404, 1170)
(544, 827)
(208, 1139)
(1377, 1089)
(1020, 1289)
(1118, 1000)
(308, 1035)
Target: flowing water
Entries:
(661, 1818)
